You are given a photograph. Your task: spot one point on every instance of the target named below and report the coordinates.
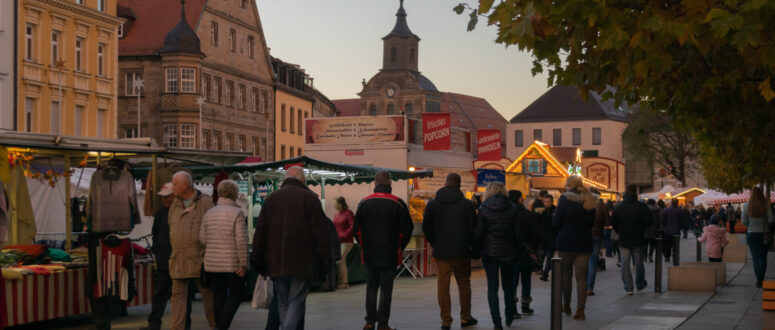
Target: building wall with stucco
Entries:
(610, 145)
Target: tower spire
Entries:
(183, 10)
(401, 29)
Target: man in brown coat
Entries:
(185, 220)
(291, 244)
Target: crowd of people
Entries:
(198, 244)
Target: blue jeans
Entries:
(523, 270)
(493, 268)
(640, 271)
(597, 243)
(291, 300)
(758, 254)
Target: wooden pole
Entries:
(68, 208)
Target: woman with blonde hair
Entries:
(495, 239)
(757, 216)
(573, 219)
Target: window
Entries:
(206, 139)
(217, 90)
(29, 111)
(130, 89)
(232, 40)
(230, 142)
(78, 120)
(242, 96)
(577, 136)
(298, 152)
(243, 4)
(264, 102)
(130, 132)
(206, 87)
(188, 80)
(557, 137)
(534, 166)
(300, 123)
(55, 36)
(291, 121)
(519, 138)
(290, 152)
(251, 46)
(412, 54)
(373, 110)
(229, 93)
(78, 54)
(217, 141)
(393, 54)
(241, 143)
(171, 135)
(256, 147)
(409, 108)
(101, 122)
(101, 5)
(80, 2)
(254, 99)
(101, 60)
(120, 31)
(188, 136)
(282, 117)
(597, 136)
(282, 152)
(538, 135)
(55, 122)
(391, 109)
(263, 148)
(29, 37)
(214, 33)
(172, 80)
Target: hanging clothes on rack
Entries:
(78, 212)
(115, 265)
(4, 219)
(112, 204)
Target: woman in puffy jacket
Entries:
(714, 237)
(574, 218)
(495, 239)
(225, 237)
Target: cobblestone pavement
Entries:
(415, 306)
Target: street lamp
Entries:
(201, 102)
(138, 84)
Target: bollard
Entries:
(699, 251)
(658, 267)
(676, 250)
(556, 323)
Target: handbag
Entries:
(263, 293)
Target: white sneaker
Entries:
(629, 293)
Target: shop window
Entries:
(577, 136)
(557, 137)
(519, 138)
(597, 136)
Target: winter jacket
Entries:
(548, 232)
(292, 237)
(496, 230)
(383, 228)
(602, 219)
(344, 225)
(671, 220)
(224, 234)
(160, 232)
(573, 223)
(714, 238)
(653, 229)
(630, 220)
(185, 222)
(448, 224)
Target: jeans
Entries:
(640, 271)
(523, 270)
(273, 319)
(579, 261)
(493, 268)
(758, 254)
(461, 267)
(227, 296)
(548, 255)
(593, 259)
(291, 300)
(162, 290)
(379, 282)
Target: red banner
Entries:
(489, 144)
(436, 131)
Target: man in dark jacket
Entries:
(292, 244)
(383, 228)
(671, 222)
(528, 238)
(548, 234)
(602, 220)
(630, 220)
(448, 224)
(653, 229)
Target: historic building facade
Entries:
(7, 66)
(215, 60)
(67, 67)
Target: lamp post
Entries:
(138, 84)
(201, 102)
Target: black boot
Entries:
(526, 309)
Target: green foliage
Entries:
(709, 63)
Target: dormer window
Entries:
(120, 31)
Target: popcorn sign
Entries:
(489, 144)
(436, 131)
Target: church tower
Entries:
(400, 45)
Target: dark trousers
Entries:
(732, 226)
(758, 254)
(714, 259)
(227, 296)
(162, 289)
(379, 280)
(651, 246)
(494, 269)
(667, 245)
(548, 255)
(523, 270)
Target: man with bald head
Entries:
(291, 244)
(185, 265)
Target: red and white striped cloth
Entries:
(44, 297)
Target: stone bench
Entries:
(691, 279)
(719, 267)
(734, 253)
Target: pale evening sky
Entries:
(339, 43)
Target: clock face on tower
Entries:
(390, 92)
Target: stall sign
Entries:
(243, 187)
(485, 177)
(489, 144)
(355, 130)
(436, 131)
(353, 152)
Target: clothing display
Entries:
(78, 212)
(112, 204)
(114, 264)
(4, 221)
